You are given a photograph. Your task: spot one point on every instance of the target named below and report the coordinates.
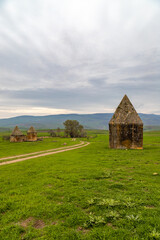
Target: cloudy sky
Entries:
(78, 56)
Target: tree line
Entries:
(72, 129)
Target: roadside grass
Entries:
(89, 193)
(23, 157)
(8, 149)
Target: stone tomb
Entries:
(31, 134)
(126, 127)
(17, 135)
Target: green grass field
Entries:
(8, 149)
(90, 193)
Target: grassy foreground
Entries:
(89, 193)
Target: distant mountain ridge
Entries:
(89, 121)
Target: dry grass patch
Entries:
(111, 225)
(27, 222)
(83, 230)
(38, 224)
(54, 223)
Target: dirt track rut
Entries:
(42, 153)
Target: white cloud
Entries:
(34, 111)
(65, 45)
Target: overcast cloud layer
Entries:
(66, 56)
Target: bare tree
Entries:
(58, 132)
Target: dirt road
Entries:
(20, 158)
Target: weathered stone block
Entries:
(126, 127)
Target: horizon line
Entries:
(70, 114)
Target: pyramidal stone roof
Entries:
(31, 130)
(125, 113)
(17, 132)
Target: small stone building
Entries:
(17, 135)
(126, 127)
(31, 134)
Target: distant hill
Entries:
(89, 121)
